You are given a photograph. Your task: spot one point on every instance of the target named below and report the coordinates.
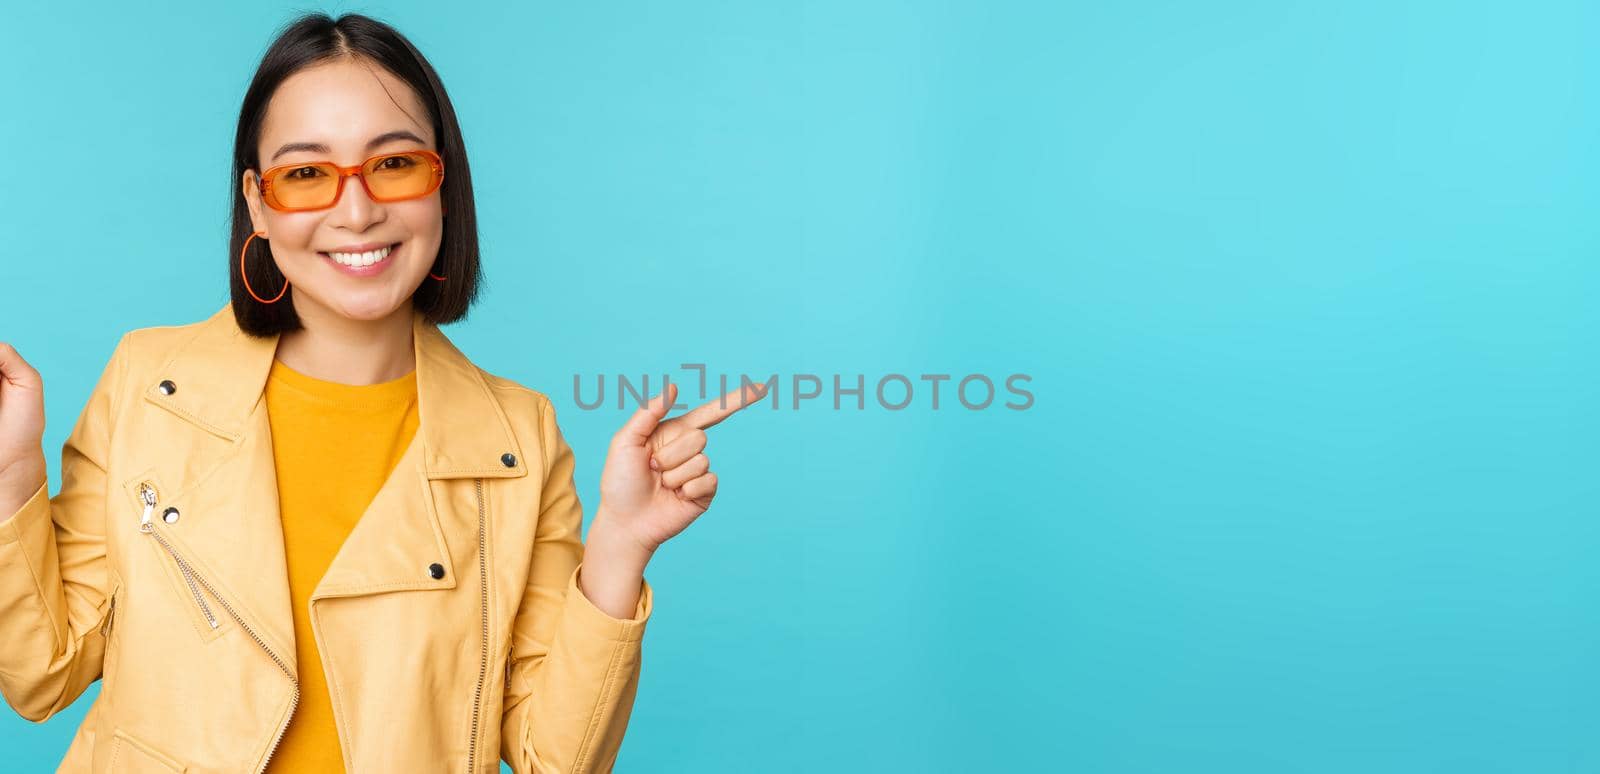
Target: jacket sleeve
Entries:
(53, 580)
(573, 670)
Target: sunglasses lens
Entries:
(401, 176)
(307, 187)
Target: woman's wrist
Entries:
(613, 569)
(19, 481)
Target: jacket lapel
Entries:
(224, 480)
(419, 518)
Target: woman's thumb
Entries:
(21, 406)
(15, 372)
(644, 421)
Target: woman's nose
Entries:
(355, 210)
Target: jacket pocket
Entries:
(208, 622)
(207, 617)
(135, 756)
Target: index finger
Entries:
(717, 410)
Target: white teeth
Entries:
(361, 259)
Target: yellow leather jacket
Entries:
(159, 569)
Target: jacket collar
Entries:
(221, 374)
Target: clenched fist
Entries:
(22, 467)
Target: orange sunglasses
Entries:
(390, 177)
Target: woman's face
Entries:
(347, 111)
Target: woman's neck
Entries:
(335, 348)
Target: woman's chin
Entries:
(366, 305)
(370, 309)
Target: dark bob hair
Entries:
(314, 39)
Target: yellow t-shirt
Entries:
(334, 445)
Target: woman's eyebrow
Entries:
(377, 142)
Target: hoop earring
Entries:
(243, 276)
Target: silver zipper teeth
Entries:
(483, 610)
(148, 494)
(188, 577)
(148, 527)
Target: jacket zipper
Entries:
(111, 615)
(148, 493)
(483, 615)
(147, 526)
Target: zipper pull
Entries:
(148, 494)
(111, 614)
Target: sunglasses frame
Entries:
(264, 179)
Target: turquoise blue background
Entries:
(1305, 290)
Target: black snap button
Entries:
(508, 459)
(170, 515)
(167, 387)
(436, 570)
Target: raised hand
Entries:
(657, 478)
(22, 467)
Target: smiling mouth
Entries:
(358, 260)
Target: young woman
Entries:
(307, 533)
